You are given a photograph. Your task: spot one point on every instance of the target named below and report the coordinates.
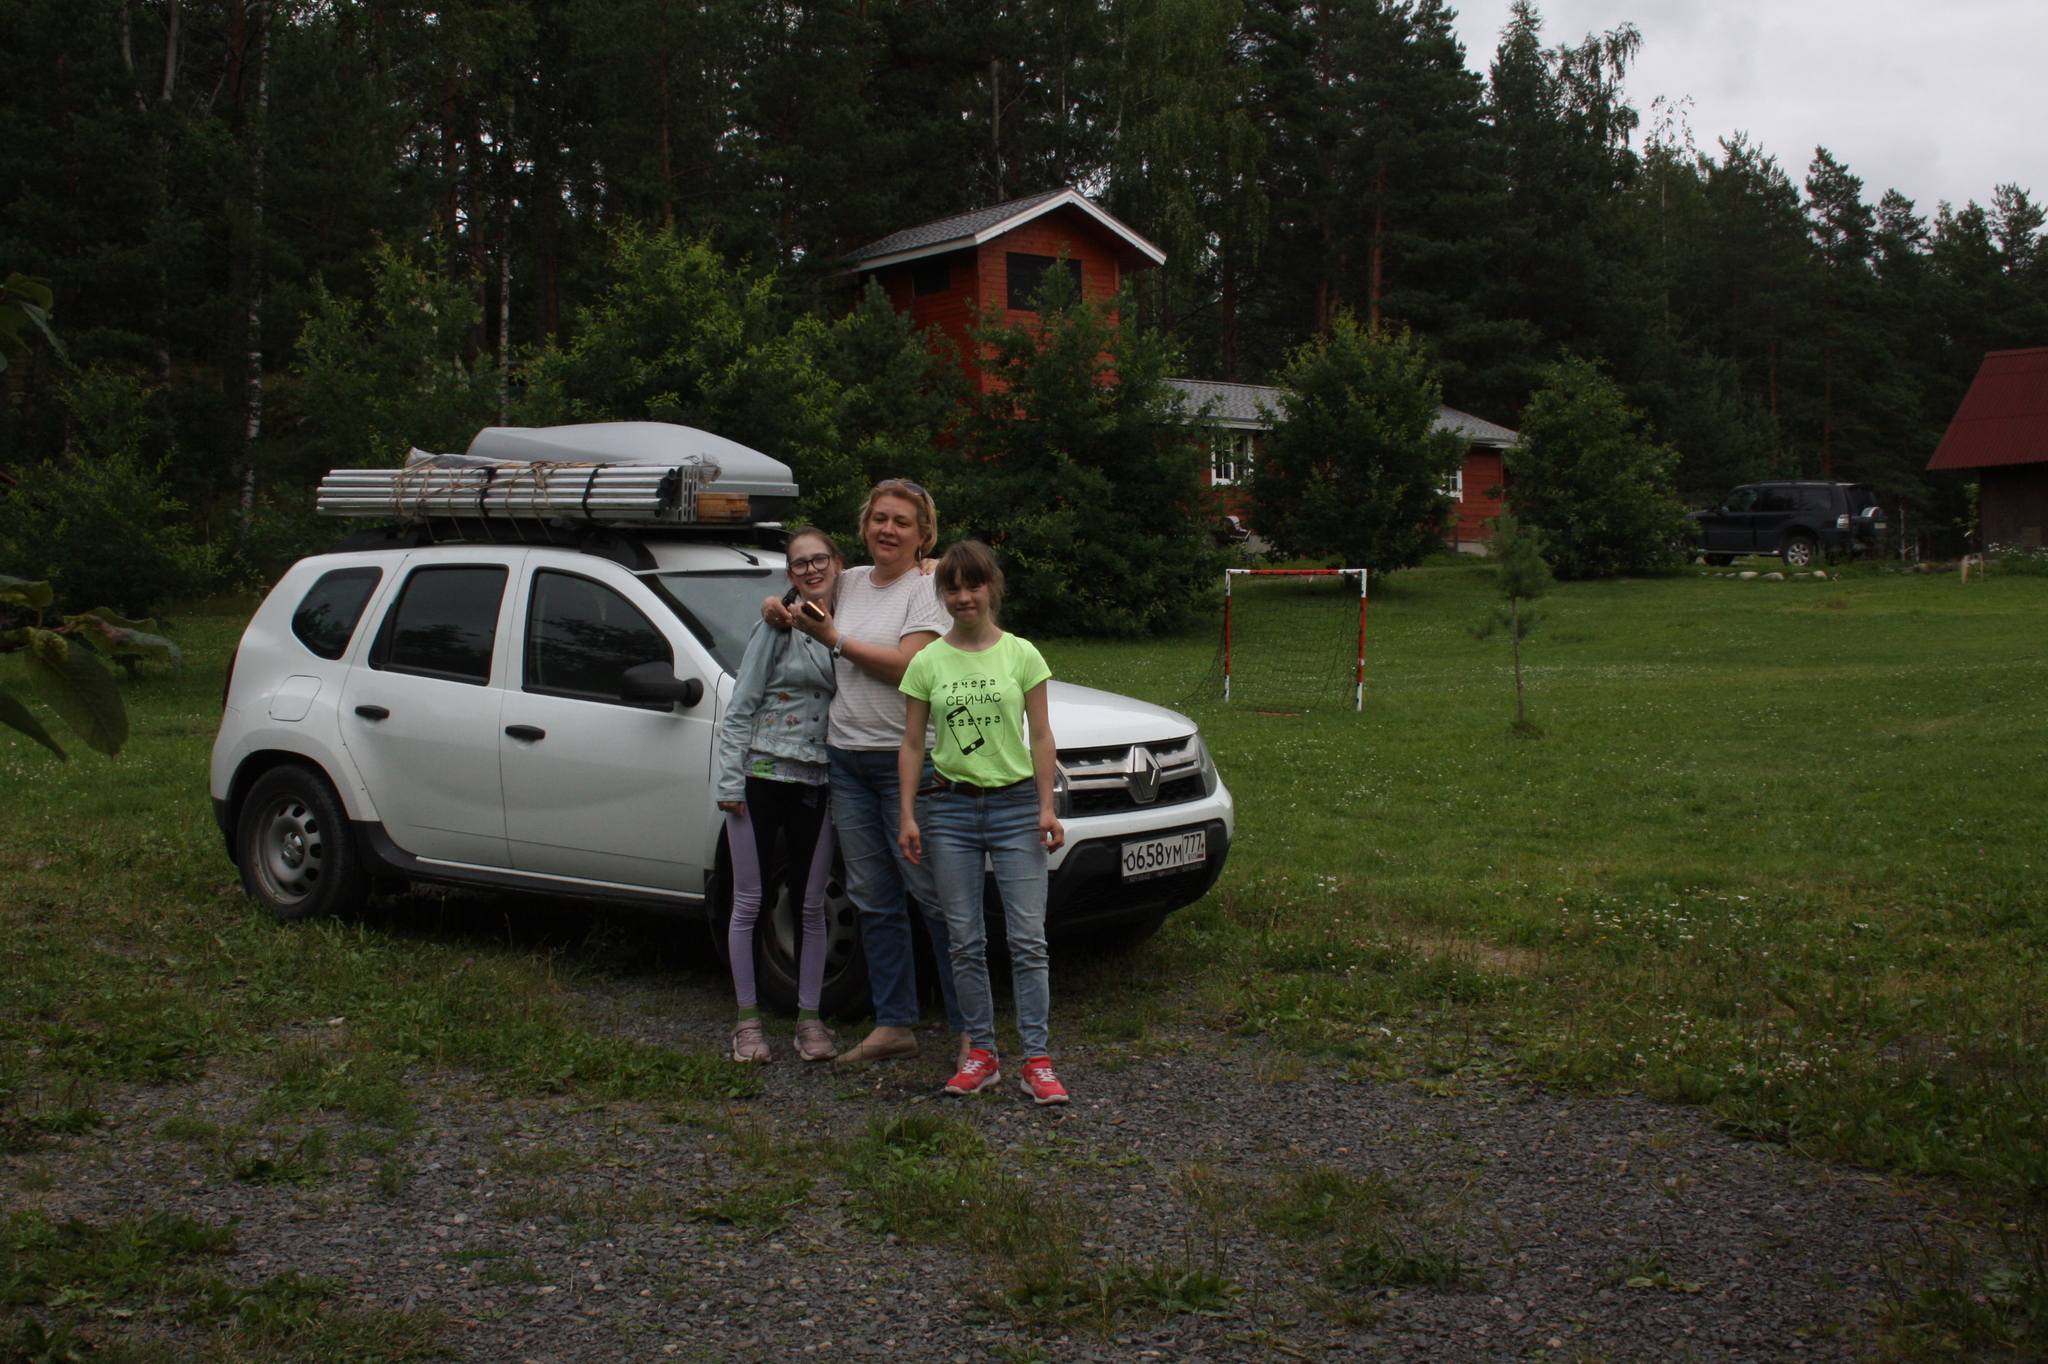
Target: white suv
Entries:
(443, 704)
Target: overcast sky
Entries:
(1940, 101)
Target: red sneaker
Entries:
(977, 1072)
(1040, 1083)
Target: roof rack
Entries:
(596, 473)
(622, 544)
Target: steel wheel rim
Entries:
(1799, 554)
(291, 849)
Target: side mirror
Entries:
(658, 682)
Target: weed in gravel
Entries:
(188, 1127)
(511, 1272)
(926, 1176)
(1316, 1200)
(539, 1160)
(363, 1085)
(29, 1115)
(1960, 1300)
(1054, 1289)
(300, 1162)
(393, 1172)
(590, 1213)
(763, 1207)
(1386, 1259)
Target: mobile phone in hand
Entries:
(810, 608)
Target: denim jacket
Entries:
(780, 703)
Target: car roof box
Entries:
(741, 470)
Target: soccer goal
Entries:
(1292, 638)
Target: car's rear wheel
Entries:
(293, 844)
(778, 940)
(1720, 560)
(1799, 550)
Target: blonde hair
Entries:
(927, 510)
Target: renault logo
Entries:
(1143, 780)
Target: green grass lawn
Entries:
(1780, 850)
(1777, 851)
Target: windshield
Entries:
(721, 608)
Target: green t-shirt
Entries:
(977, 705)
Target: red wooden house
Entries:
(993, 260)
(1245, 412)
(2001, 431)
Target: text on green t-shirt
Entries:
(977, 702)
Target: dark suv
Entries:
(1796, 520)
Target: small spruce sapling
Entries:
(1524, 576)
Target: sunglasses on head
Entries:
(891, 484)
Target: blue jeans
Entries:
(866, 812)
(959, 830)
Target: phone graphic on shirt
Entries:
(964, 721)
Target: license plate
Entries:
(1158, 856)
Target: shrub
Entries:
(97, 522)
(1355, 467)
(1588, 472)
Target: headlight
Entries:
(1060, 799)
(1210, 778)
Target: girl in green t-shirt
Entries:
(978, 685)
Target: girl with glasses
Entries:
(773, 784)
(883, 616)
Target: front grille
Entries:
(1097, 780)
(1108, 800)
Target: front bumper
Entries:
(1088, 890)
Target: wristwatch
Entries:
(839, 646)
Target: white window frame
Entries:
(1230, 459)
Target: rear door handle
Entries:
(530, 733)
(373, 712)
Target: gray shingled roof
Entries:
(950, 229)
(1240, 404)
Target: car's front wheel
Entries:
(293, 844)
(1799, 550)
(778, 943)
(1720, 560)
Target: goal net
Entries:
(1293, 639)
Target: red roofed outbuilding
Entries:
(990, 262)
(2001, 431)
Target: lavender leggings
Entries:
(803, 813)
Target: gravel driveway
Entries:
(553, 1231)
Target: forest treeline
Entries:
(209, 186)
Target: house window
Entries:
(1230, 458)
(933, 276)
(1454, 486)
(1028, 272)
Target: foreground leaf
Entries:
(15, 715)
(25, 593)
(76, 685)
(132, 638)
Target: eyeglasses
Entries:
(888, 484)
(817, 563)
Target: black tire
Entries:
(1798, 551)
(778, 934)
(292, 840)
(1720, 560)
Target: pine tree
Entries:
(1524, 575)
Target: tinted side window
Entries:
(1816, 499)
(1742, 499)
(327, 615)
(1774, 500)
(581, 637)
(444, 624)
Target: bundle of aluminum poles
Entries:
(576, 492)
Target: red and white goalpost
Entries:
(1358, 695)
